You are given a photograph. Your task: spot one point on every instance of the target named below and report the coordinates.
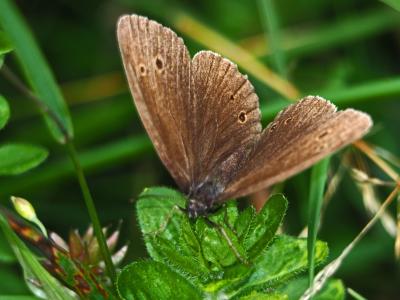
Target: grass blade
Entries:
(318, 179)
(355, 295)
(36, 70)
(395, 4)
(269, 19)
(333, 266)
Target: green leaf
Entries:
(184, 264)
(319, 175)
(333, 290)
(244, 221)
(284, 259)
(393, 3)
(153, 280)
(159, 215)
(4, 112)
(260, 296)
(32, 267)
(5, 44)
(215, 245)
(36, 69)
(265, 224)
(19, 158)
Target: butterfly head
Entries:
(197, 208)
(202, 198)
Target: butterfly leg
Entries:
(223, 233)
(175, 209)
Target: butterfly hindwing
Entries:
(298, 137)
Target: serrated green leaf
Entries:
(19, 158)
(32, 267)
(333, 290)
(180, 262)
(36, 69)
(284, 259)
(4, 112)
(265, 225)
(244, 221)
(233, 277)
(153, 280)
(261, 296)
(215, 245)
(158, 215)
(5, 44)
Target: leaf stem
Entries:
(87, 196)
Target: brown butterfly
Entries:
(203, 118)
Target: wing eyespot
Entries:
(242, 117)
(159, 64)
(142, 70)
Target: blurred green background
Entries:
(346, 51)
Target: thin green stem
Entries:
(317, 186)
(92, 211)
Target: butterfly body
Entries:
(203, 118)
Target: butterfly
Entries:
(203, 118)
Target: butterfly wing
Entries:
(299, 136)
(226, 117)
(157, 65)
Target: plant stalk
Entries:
(87, 196)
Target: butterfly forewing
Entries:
(227, 117)
(299, 136)
(157, 65)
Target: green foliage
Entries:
(334, 289)
(4, 112)
(5, 47)
(393, 3)
(12, 297)
(319, 175)
(346, 52)
(230, 253)
(36, 69)
(32, 268)
(150, 280)
(19, 158)
(6, 254)
(5, 44)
